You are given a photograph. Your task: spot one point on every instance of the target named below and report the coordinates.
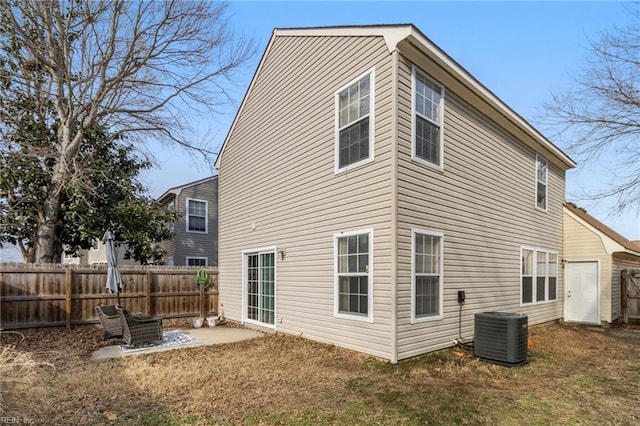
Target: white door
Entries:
(582, 298)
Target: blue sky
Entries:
(522, 51)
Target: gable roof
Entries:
(394, 35)
(631, 246)
(177, 189)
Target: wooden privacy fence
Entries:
(55, 295)
(630, 295)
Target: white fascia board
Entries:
(176, 190)
(393, 34)
(451, 66)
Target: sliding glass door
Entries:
(261, 286)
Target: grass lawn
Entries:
(577, 375)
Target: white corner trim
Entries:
(393, 36)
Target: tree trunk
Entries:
(49, 220)
(28, 253)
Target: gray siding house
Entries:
(196, 227)
(366, 179)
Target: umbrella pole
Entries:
(118, 294)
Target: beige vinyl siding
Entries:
(277, 172)
(620, 262)
(484, 204)
(582, 244)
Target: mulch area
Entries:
(52, 343)
(55, 342)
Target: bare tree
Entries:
(137, 68)
(599, 117)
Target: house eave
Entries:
(610, 245)
(402, 35)
(500, 108)
(628, 251)
(176, 190)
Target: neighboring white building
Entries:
(97, 255)
(594, 256)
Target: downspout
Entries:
(394, 207)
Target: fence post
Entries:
(203, 309)
(623, 296)
(67, 295)
(148, 284)
(214, 294)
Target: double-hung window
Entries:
(197, 261)
(354, 122)
(542, 171)
(539, 276)
(354, 275)
(426, 277)
(196, 216)
(428, 116)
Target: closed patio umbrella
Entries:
(114, 279)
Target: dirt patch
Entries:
(575, 376)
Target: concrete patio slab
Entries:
(206, 336)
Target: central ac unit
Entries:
(501, 338)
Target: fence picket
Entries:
(63, 295)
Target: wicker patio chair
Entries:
(110, 320)
(138, 329)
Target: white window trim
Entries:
(245, 308)
(546, 185)
(336, 282)
(372, 86)
(535, 277)
(414, 319)
(206, 216)
(414, 157)
(188, 258)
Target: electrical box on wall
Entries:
(461, 296)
